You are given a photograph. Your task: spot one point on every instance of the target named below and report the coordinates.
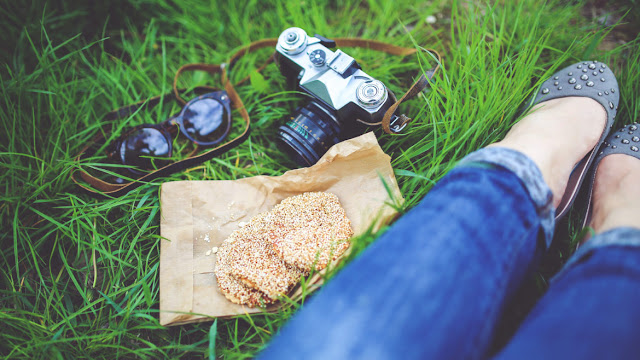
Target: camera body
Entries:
(344, 99)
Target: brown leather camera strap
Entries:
(107, 189)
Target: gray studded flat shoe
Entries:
(624, 141)
(590, 79)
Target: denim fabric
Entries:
(624, 236)
(434, 284)
(530, 176)
(592, 307)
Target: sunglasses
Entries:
(205, 120)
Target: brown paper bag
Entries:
(199, 215)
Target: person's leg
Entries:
(592, 307)
(433, 285)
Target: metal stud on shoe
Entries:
(584, 84)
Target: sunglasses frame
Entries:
(113, 151)
(219, 96)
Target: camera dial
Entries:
(317, 57)
(293, 40)
(371, 93)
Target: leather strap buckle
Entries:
(398, 123)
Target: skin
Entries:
(616, 193)
(556, 135)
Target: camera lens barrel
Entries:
(309, 133)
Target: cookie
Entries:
(264, 258)
(234, 290)
(254, 263)
(309, 230)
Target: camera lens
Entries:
(309, 133)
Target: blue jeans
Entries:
(434, 285)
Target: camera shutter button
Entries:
(292, 37)
(292, 41)
(371, 93)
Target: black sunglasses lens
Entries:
(142, 145)
(206, 121)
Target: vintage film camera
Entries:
(344, 99)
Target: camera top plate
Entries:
(333, 77)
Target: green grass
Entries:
(79, 277)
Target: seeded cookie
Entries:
(266, 257)
(254, 263)
(309, 230)
(234, 290)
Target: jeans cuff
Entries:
(530, 176)
(622, 236)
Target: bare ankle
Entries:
(616, 196)
(556, 136)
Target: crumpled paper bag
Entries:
(198, 215)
